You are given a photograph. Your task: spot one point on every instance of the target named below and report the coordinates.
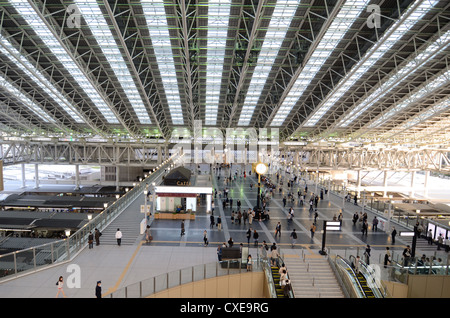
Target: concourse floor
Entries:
(119, 266)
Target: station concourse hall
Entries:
(197, 150)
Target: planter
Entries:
(174, 216)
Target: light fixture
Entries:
(261, 168)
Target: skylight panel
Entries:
(276, 32)
(30, 16)
(39, 79)
(218, 16)
(394, 80)
(93, 16)
(438, 82)
(155, 16)
(35, 108)
(389, 38)
(336, 31)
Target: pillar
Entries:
(24, 180)
(117, 178)
(385, 180)
(36, 175)
(413, 177)
(77, 177)
(425, 184)
(358, 182)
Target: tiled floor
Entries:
(120, 266)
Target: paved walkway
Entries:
(119, 266)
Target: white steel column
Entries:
(36, 175)
(413, 177)
(117, 178)
(385, 183)
(24, 179)
(425, 184)
(77, 177)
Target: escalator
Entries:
(276, 281)
(361, 286)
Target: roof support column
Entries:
(425, 184)
(413, 177)
(24, 180)
(36, 176)
(77, 177)
(385, 183)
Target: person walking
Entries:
(205, 238)
(312, 230)
(278, 230)
(406, 255)
(219, 253)
(182, 228)
(367, 254)
(219, 223)
(60, 284)
(249, 263)
(387, 258)
(393, 235)
(97, 235)
(91, 240)
(293, 238)
(255, 238)
(148, 236)
(375, 224)
(98, 290)
(119, 237)
(249, 235)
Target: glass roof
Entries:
(93, 16)
(276, 32)
(155, 15)
(41, 30)
(335, 33)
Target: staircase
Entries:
(129, 224)
(312, 278)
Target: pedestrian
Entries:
(249, 235)
(440, 240)
(205, 238)
(148, 236)
(364, 227)
(250, 217)
(232, 217)
(182, 227)
(119, 237)
(375, 224)
(356, 265)
(367, 254)
(312, 230)
(393, 235)
(230, 242)
(97, 235)
(98, 290)
(211, 221)
(219, 223)
(278, 229)
(287, 287)
(249, 263)
(239, 217)
(387, 258)
(219, 253)
(60, 284)
(91, 240)
(406, 255)
(430, 237)
(255, 238)
(315, 217)
(293, 237)
(284, 201)
(355, 218)
(274, 256)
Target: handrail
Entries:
(352, 282)
(153, 285)
(58, 252)
(372, 281)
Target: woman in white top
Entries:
(60, 285)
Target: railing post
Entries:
(140, 289)
(15, 263)
(34, 258)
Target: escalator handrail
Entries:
(353, 275)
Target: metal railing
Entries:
(156, 284)
(29, 260)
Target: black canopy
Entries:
(179, 177)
